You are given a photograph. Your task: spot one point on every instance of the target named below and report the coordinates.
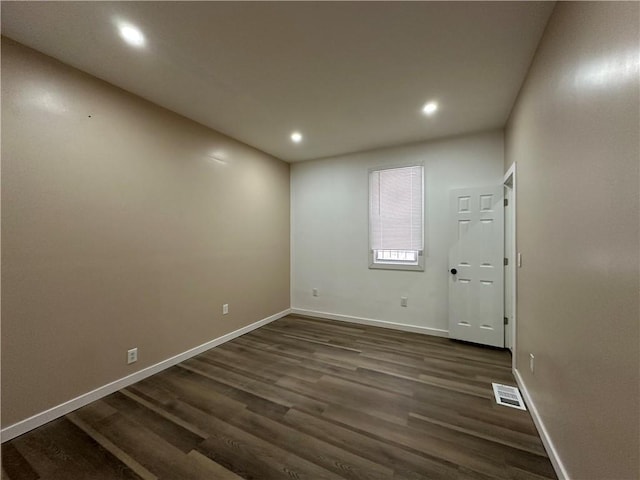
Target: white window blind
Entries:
(396, 214)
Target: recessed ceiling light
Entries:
(132, 35)
(296, 137)
(430, 108)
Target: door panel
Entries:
(476, 252)
(509, 281)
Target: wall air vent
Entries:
(508, 396)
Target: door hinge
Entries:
(506, 202)
(506, 320)
(506, 262)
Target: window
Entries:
(396, 219)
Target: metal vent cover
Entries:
(508, 396)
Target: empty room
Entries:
(320, 240)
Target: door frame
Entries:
(509, 182)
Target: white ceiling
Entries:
(350, 76)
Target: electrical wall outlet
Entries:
(314, 292)
(403, 301)
(132, 356)
(531, 362)
(225, 308)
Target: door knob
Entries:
(453, 271)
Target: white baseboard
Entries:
(374, 323)
(40, 419)
(558, 466)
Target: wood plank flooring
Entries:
(299, 399)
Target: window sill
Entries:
(396, 266)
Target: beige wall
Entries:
(574, 134)
(120, 230)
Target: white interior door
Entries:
(509, 268)
(476, 273)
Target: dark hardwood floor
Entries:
(299, 399)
